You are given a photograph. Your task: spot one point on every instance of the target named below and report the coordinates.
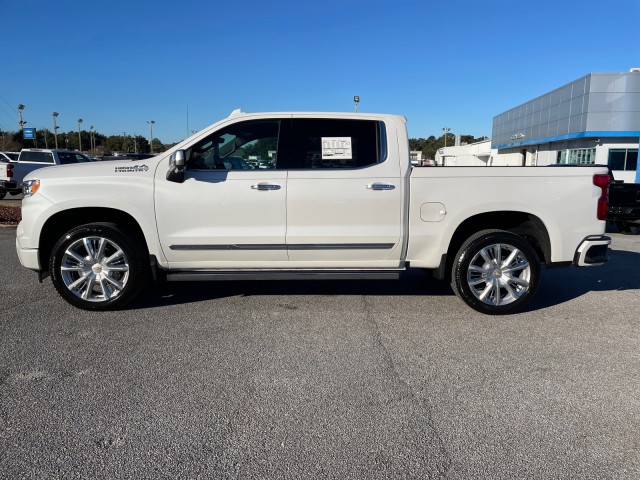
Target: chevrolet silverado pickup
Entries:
(335, 197)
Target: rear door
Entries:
(344, 194)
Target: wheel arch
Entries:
(60, 223)
(527, 225)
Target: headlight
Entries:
(30, 187)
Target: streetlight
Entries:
(55, 127)
(356, 101)
(20, 109)
(151, 124)
(91, 147)
(446, 130)
(79, 137)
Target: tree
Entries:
(260, 148)
(429, 146)
(9, 143)
(13, 141)
(158, 146)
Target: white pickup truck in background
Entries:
(12, 173)
(335, 197)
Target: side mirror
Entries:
(177, 164)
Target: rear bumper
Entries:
(592, 251)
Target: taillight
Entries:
(9, 170)
(602, 180)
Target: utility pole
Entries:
(79, 137)
(21, 123)
(55, 127)
(446, 130)
(151, 123)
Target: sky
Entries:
(188, 64)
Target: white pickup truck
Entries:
(307, 195)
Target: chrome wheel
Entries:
(499, 274)
(496, 272)
(94, 269)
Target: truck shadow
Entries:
(564, 284)
(410, 283)
(557, 286)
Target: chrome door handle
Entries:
(266, 187)
(380, 186)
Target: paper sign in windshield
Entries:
(336, 148)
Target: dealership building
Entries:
(594, 119)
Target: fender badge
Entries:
(133, 168)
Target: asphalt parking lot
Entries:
(369, 379)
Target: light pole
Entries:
(21, 123)
(46, 143)
(55, 127)
(91, 147)
(151, 124)
(356, 101)
(79, 137)
(446, 130)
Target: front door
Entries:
(230, 212)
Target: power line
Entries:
(10, 111)
(5, 101)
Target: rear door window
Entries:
(336, 143)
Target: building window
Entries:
(623, 158)
(581, 156)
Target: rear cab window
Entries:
(37, 157)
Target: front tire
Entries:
(496, 272)
(97, 267)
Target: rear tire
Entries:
(2, 195)
(496, 272)
(98, 267)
